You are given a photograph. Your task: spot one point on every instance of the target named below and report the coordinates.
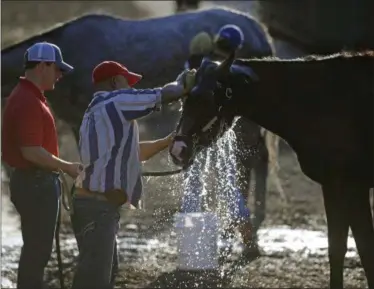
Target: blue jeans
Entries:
(35, 194)
(95, 224)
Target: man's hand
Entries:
(42, 158)
(187, 80)
(149, 148)
(181, 77)
(169, 138)
(73, 169)
(181, 87)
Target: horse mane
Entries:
(311, 58)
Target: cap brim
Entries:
(133, 78)
(65, 68)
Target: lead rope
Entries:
(58, 251)
(66, 201)
(66, 193)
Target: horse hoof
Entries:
(253, 251)
(250, 253)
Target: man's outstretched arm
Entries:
(150, 148)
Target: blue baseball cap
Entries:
(232, 34)
(47, 52)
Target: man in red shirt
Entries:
(30, 147)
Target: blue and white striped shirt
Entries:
(109, 140)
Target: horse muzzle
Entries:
(181, 151)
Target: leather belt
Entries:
(80, 192)
(115, 197)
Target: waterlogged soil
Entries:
(292, 241)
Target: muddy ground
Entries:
(292, 240)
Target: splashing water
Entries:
(210, 185)
(208, 177)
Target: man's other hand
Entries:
(187, 80)
(74, 169)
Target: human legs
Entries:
(95, 223)
(35, 195)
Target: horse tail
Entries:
(272, 145)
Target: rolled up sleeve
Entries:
(137, 103)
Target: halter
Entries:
(222, 93)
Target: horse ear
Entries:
(224, 67)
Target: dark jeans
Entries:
(95, 224)
(35, 194)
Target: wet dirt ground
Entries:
(292, 239)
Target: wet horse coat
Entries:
(323, 108)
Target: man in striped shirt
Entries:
(111, 153)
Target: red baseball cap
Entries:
(108, 69)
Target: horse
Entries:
(322, 105)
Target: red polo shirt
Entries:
(27, 121)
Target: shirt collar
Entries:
(32, 87)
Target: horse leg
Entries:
(372, 203)
(360, 221)
(261, 175)
(337, 230)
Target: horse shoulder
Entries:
(246, 71)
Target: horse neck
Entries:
(260, 101)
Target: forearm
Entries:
(150, 148)
(42, 158)
(180, 87)
(171, 92)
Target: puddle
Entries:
(155, 253)
(283, 240)
(133, 249)
(286, 241)
(145, 253)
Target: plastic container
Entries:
(197, 241)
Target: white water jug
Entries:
(197, 241)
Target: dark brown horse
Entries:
(323, 107)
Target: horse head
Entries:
(208, 111)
